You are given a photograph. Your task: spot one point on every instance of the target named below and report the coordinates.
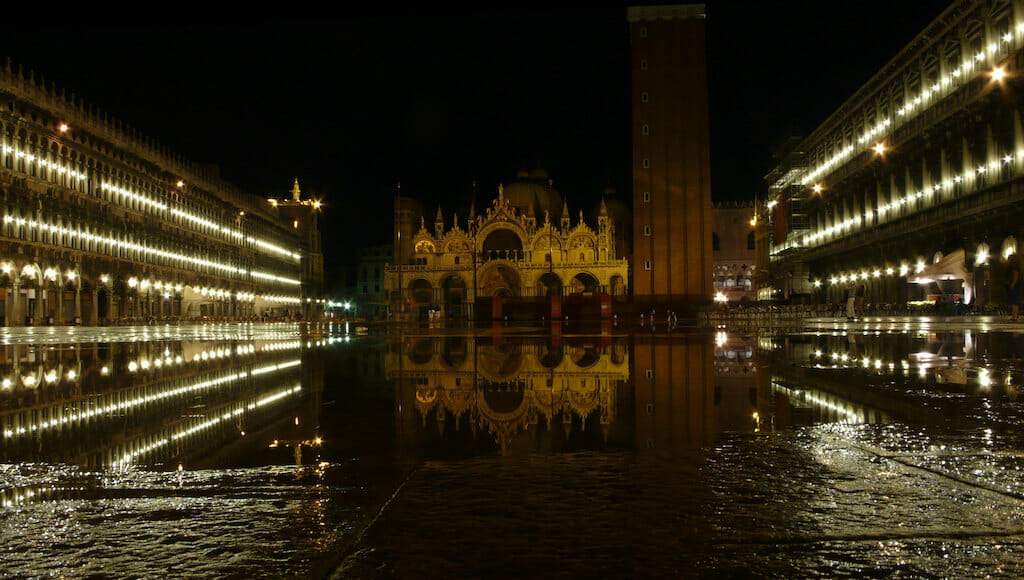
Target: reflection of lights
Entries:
(984, 379)
(721, 339)
(720, 297)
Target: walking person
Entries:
(1013, 290)
(851, 302)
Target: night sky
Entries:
(437, 99)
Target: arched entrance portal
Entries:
(421, 293)
(584, 282)
(500, 280)
(549, 285)
(453, 291)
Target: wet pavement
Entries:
(874, 448)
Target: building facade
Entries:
(672, 253)
(733, 245)
(102, 224)
(370, 291)
(508, 251)
(913, 187)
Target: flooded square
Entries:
(317, 451)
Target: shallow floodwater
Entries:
(287, 451)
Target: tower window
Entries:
(647, 196)
(645, 130)
(643, 97)
(647, 163)
(643, 64)
(647, 230)
(643, 32)
(647, 265)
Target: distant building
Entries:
(370, 291)
(672, 256)
(733, 246)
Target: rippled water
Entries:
(285, 451)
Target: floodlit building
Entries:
(517, 249)
(734, 251)
(913, 186)
(101, 223)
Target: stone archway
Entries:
(584, 282)
(618, 286)
(453, 294)
(549, 285)
(421, 291)
(502, 244)
(500, 280)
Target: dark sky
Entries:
(436, 99)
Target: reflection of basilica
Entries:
(115, 405)
(506, 389)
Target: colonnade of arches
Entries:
(34, 293)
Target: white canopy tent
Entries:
(952, 266)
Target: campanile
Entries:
(671, 160)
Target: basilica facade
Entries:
(515, 249)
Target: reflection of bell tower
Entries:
(674, 384)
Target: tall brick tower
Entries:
(671, 161)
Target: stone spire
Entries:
(439, 224)
(295, 190)
(565, 216)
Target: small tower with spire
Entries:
(439, 224)
(566, 221)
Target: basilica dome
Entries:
(533, 192)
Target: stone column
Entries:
(58, 318)
(78, 304)
(14, 315)
(96, 306)
(37, 312)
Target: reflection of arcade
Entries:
(507, 388)
(103, 405)
(856, 378)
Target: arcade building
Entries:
(100, 224)
(914, 187)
